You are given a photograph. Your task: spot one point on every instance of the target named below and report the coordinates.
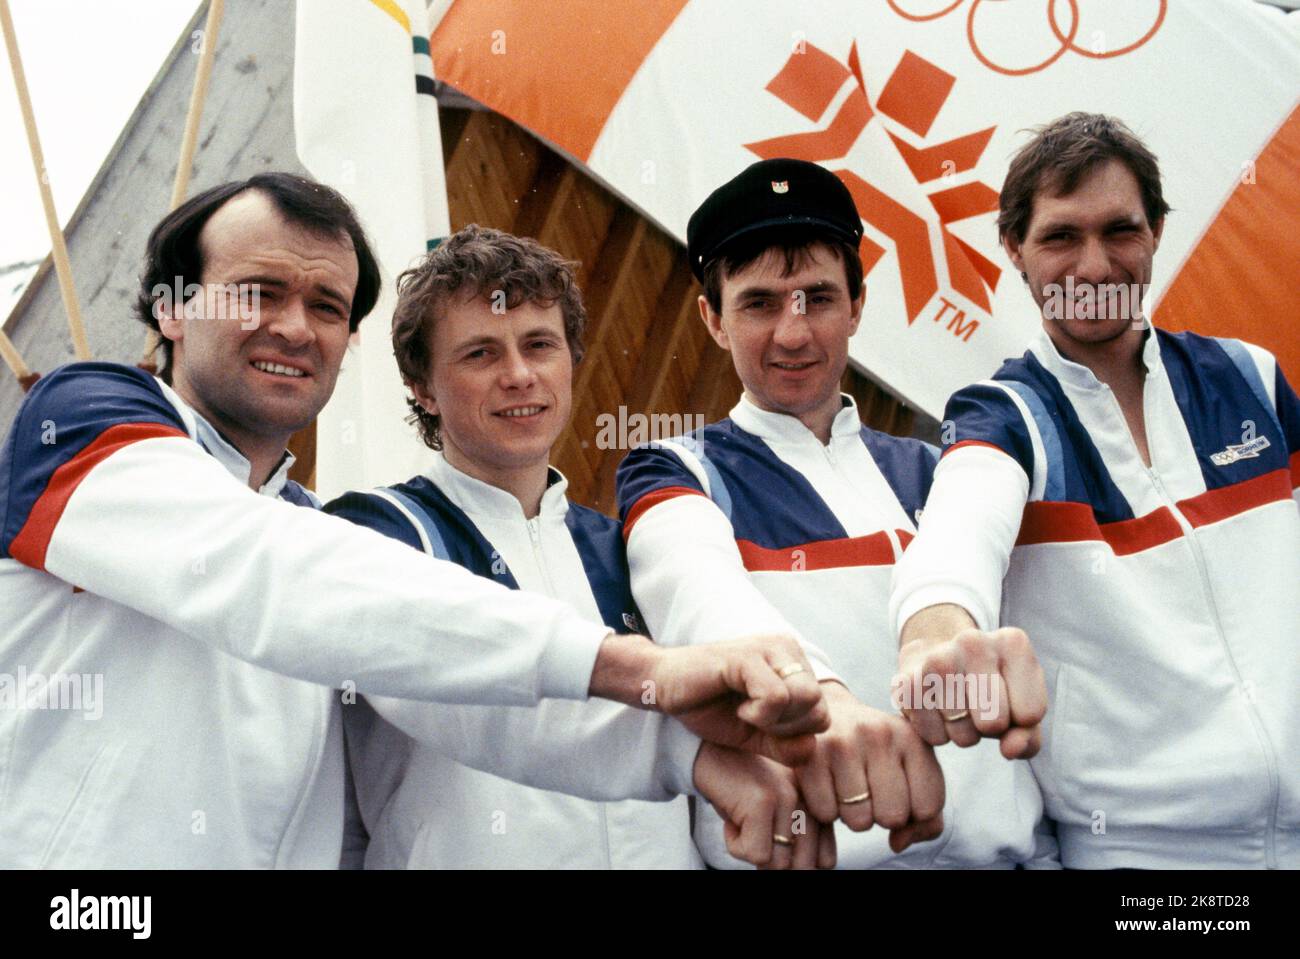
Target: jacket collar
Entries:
(475, 496)
(1078, 375)
(784, 428)
(223, 451)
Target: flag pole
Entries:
(197, 96)
(14, 360)
(57, 246)
(180, 186)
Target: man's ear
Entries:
(1011, 244)
(424, 397)
(1156, 232)
(855, 309)
(169, 316)
(713, 322)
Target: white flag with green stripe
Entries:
(366, 123)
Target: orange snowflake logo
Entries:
(912, 97)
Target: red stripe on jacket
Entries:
(32, 541)
(872, 550)
(653, 498)
(963, 443)
(1075, 522)
(1215, 505)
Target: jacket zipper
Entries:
(535, 537)
(885, 527)
(1193, 544)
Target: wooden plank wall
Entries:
(647, 350)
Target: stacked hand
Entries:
(756, 694)
(765, 821)
(871, 768)
(756, 698)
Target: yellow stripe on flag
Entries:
(396, 12)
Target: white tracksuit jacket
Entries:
(1163, 602)
(752, 525)
(210, 625)
(421, 805)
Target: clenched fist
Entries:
(759, 803)
(872, 768)
(958, 683)
(755, 694)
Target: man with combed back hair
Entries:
(153, 547)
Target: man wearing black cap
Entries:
(787, 517)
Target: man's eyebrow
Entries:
(320, 289)
(1121, 219)
(540, 331)
(482, 339)
(822, 286)
(748, 292)
(1054, 226)
(260, 281)
(1125, 219)
(333, 294)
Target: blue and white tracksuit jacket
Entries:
(211, 625)
(428, 803)
(753, 525)
(1162, 601)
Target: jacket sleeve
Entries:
(102, 487)
(972, 514)
(688, 577)
(594, 750)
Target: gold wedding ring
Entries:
(782, 840)
(788, 670)
(955, 717)
(854, 800)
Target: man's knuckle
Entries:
(1015, 643)
(942, 662)
(927, 806)
(879, 735)
(857, 819)
(835, 748)
(891, 818)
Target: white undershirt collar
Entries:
(225, 452)
(475, 496)
(1078, 375)
(784, 428)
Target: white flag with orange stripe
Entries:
(366, 123)
(917, 105)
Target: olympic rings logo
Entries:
(1064, 38)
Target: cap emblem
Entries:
(780, 186)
